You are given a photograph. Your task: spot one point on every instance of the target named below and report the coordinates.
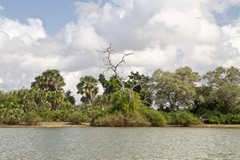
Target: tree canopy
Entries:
(88, 88)
(225, 88)
(49, 80)
(174, 90)
(182, 97)
(52, 82)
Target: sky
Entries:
(36, 35)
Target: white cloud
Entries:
(29, 32)
(80, 37)
(165, 34)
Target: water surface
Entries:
(119, 143)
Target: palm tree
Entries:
(52, 83)
(88, 88)
(49, 80)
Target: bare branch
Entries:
(109, 52)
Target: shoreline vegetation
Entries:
(86, 124)
(178, 98)
(46, 103)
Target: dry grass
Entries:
(216, 126)
(47, 125)
(62, 124)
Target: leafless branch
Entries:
(109, 53)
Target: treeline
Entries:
(182, 97)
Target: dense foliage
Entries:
(182, 97)
(88, 88)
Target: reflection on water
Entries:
(119, 143)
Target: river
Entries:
(92, 143)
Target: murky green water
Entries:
(119, 143)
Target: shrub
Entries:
(135, 119)
(46, 115)
(214, 117)
(77, 118)
(31, 118)
(233, 118)
(60, 115)
(110, 120)
(12, 116)
(156, 118)
(214, 120)
(66, 106)
(183, 117)
(94, 111)
(120, 119)
(125, 101)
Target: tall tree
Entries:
(225, 85)
(49, 80)
(114, 66)
(52, 82)
(88, 88)
(124, 98)
(174, 90)
(69, 98)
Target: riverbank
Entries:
(69, 124)
(48, 125)
(216, 126)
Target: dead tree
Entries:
(114, 67)
(109, 53)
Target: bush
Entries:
(156, 118)
(135, 119)
(12, 116)
(77, 118)
(46, 115)
(183, 117)
(120, 119)
(233, 118)
(125, 101)
(214, 120)
(110, 120)
(214, 117)
(60, 115)
(32, 118)
(92, 111)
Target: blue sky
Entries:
(54, 13)
(36, 35)
(228, 16)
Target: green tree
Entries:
(52, 82)
(69, 98)
(225, 88)
(111, 85)
(203, 102)
(49, 80)
(141, 84)
(175, 90)
(88, 88)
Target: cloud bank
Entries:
(164, 34)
